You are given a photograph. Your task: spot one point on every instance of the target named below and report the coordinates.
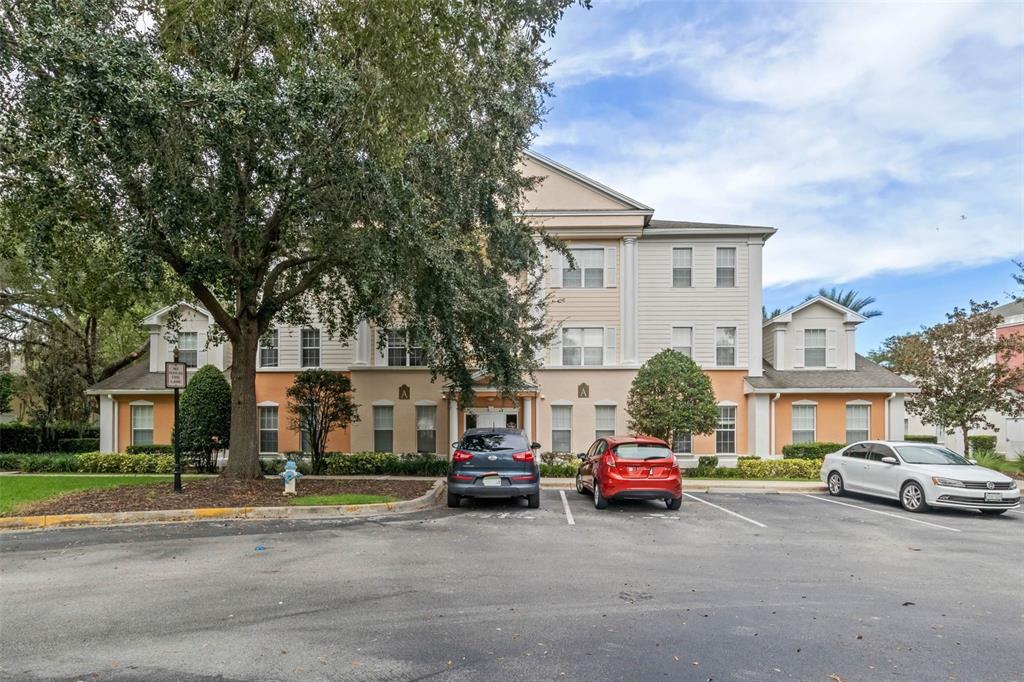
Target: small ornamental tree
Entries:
(204, 418)
(964, 370)
(320, 401)
(671, 396)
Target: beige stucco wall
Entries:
(560, 192)
(375, 385)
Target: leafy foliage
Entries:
(6, 391)
(920, 438)
(150, 449)
(849, 298)
(289, 159)
(816, 450)
(121, 463)
(78, 444)
(982, 443)
(671, 395)
(320, 401)
(32, 438)
(204, 418)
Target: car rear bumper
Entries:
(620, 488)
(645, 494)
(967, 501)
(506, 489)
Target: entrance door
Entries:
(493, 420)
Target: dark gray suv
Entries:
(494, 463)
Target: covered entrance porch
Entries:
(490, 409)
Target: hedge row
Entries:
(816, 450)
(78, 445)
(29, 438)
(154, 449)
(88, 463)
(982, 443)
(920, 438)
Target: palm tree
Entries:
(850, 299)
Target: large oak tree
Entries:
(348, 160)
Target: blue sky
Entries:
(885, 141)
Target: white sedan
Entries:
(919, 475)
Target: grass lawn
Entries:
(21, 489)
(347, 498)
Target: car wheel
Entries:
(599, 500)
(533, 501)
(674, 503)
(835, 484)
(454, 501)
(579, 485)
(993, 512)
(912, 498)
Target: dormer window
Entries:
(814, 347)
(188, 348)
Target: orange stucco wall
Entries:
(830, 416)
(272, 387)
(163, 418)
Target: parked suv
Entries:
(630, 468)
(493, 462)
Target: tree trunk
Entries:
(967, 443)
(244, 455)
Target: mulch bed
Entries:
(216, 492)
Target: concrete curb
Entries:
(715, 486)
(426, 501)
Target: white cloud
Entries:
(862, 131)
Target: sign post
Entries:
(176, 377)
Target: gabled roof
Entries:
(1010, 309)
(686, 227)
(787, 316)
(154, 317)
(135, 378)
(868, 377)
(631, 204)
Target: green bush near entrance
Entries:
(982, 444)
(816, 450)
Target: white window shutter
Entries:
(556, 269)
(382, 352)
(555, 350)
(609, 266)
(609, 346)
(831, 349)
(798, 361)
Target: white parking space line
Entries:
(565, 506)
(739, 516)
(884, 513)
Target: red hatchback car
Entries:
(630, 468)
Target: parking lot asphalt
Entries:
(730, 587)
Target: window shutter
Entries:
(609, 346)
(798, 361)
(609, 266)
(201, 349)
(831, 350)
(556, 269)
(556, 349)
(382, 353)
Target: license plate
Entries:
(993, 497)
(492, 480)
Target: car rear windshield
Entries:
(642, 451)
(929, 454)
(495, 442)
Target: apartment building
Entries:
(639, 285)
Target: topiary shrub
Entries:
(204, 419)
(920, 438)
(816, 450)
(982, 443)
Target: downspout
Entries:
(887, 419)
(771, 424)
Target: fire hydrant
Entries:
(290, 475)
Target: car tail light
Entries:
(609, 460)
(460, 477)
(523, 456)
(521, 478)
(462, 456)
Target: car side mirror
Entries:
(582, 456)
(890, 460)
(535, 446)
(455, 444)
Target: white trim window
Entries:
(604, 421)
(725, 434)
(725, 346)
(725, 267)
(682, 268)
(804, 421)
(383, 428)
(561, 428)
(858, 423)
(682, 340)
(426, 428)
(188, 348)
(269, 349)
(589, 270)
(142, 424)
(583, 346)
(310, 347)
(401, 353)
(268, 429)
(683, 443)
(815, 347)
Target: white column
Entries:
(117, 425)
(528, 418)
(758, 422)
(896, 414)
(106, 424)
(363, 341)
(629, 302)
(453, 423)
(754, 295)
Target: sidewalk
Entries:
(715, 485)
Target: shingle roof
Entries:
(134, 377)
(1011, 308)
(867, 374)
(686, 224)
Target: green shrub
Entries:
(52, 463)
(204, 420)
(384, 463)
(920, 438)
(979, 444)
(30, 438)
(747, 457)
(707, 462)
(564, 469)
(779, 468)
(9, 462)
(124, 463)
(271, 467)
(153, 449)
(816, 450)
(999, 462)
(78, 444)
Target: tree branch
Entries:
(128, 359)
